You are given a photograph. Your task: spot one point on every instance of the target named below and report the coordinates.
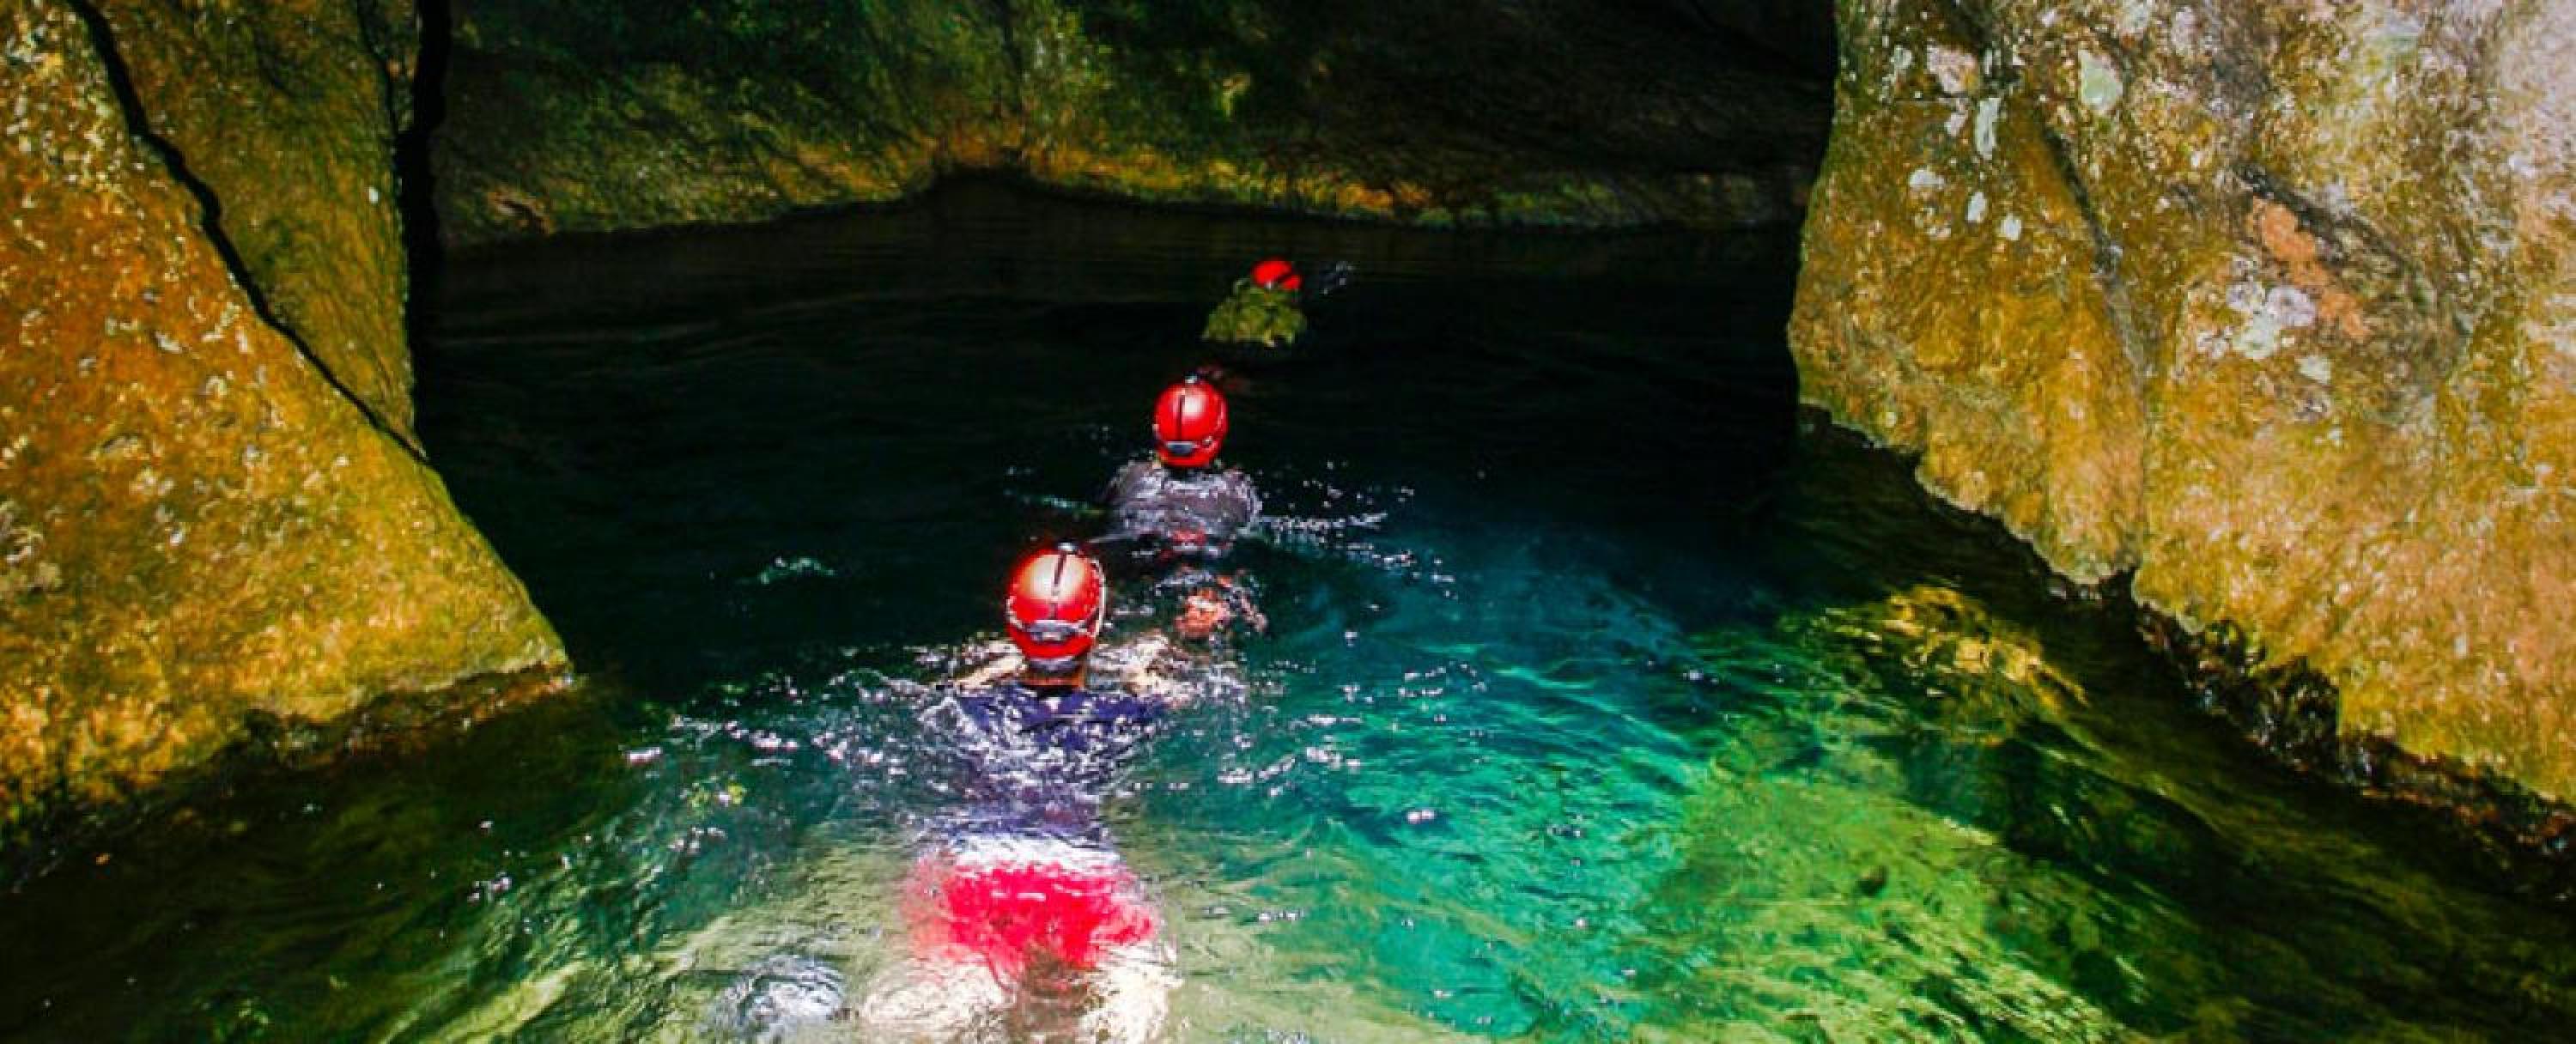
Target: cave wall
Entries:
(2267, 309)
(577, 117)
(287, 112)
(211, 513)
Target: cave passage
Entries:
(1608, 695)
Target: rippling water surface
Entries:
(1608, 697)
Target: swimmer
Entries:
(1029, 937)
(1181, 500)
(1264, 310)
(1024, 922)
(1265, 313)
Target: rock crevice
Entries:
(120, 80)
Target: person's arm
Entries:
(1142, 678)
(1004, 661)
(1119, 481)
(1241, 596)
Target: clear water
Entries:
(1608, 697)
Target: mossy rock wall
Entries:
(575, 117)
(2270, 308)
(203, 522)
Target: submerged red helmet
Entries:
(1189, 424)
(1277, 274)
(1055, 606)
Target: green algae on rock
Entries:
(2272, 308)
(199, 525)
(1257, 315)
(571, 117)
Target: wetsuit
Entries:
(1024, 866)
(1197, 511)
(1093, 726)
(1044, 758)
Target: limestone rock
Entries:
(2273, 305)
(197, 526)
(570, 117)
(567, 116)
(288, 111)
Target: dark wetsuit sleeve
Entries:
(1116, 485)
(1118, 708)
(1123, 484)
(1229, 505)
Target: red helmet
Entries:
(1189, 424)
(1055, 606)
(1276, 273)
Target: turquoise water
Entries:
(1608, 696)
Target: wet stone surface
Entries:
(202, 524)
(2162, 286)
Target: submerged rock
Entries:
(569, 117)
(204, 524)
(2271, 306)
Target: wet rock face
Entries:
(2272, 305)
(288, 112)
(199, 527)
(567, 116)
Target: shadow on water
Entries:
(1610, 697)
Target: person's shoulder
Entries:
(1120, 703)
(1131, 475)
(1126, 483)
(968, 692)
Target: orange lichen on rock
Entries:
(2278, 230)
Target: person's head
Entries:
(1189, 424)
(1275, 273)
(1055, 607)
